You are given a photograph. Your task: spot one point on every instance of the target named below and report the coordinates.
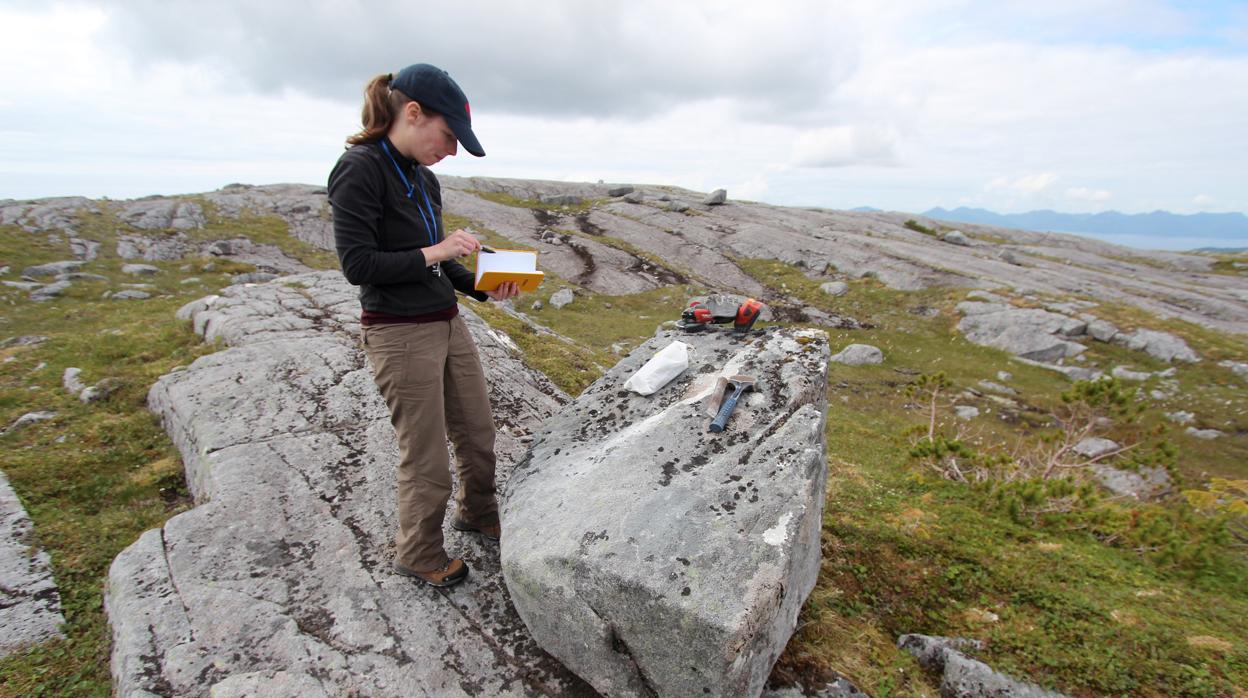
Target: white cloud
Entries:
(1026, 185)
(841, 146)
(1088, 195)
(1203, 201)
(965, 101)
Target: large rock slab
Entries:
(278, 583)
(30, 606)
(1159, 345)
(1030, 333)
(655, 558)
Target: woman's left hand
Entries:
(506, 290)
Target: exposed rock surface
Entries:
(835, 288)
(700, 248)
(1148, 483)
(278, 582)
(655, 558)
(303, 207)
(963, 677)
(1160, 345)
(52, 269)
(30, 606)
(140, 269)
(160, 213)
(45, 214)
(1031, 333)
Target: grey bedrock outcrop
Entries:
(654, 558)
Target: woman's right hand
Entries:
(458, 244)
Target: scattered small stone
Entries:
(100, 391)
(81, 276)
(677, 207)
(1100, 330)
(52, 269)
(997, 388)
(835, 288)
(1206, 434)
(634, 197)
(1095, 447)
(1005, 376)
(70, 381)
(130, 296)
(966, 412)
(190, 280)
(253, 277)
(665, 197)
(4, 270)
(961, 675)
(31, 418)
(140, 269)
(1181, 417)
(956, 237)
(537, 304)
(23, 341)
(1126, 374)
(561, 298)
(23, 285)
(50, 291)
(1010, 258)
(220, 248)
(1240, 369)
(620, 191)
(859, 355)
(716, 198)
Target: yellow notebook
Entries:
(519, 266)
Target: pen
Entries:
(487, 249)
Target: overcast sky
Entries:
(1075, 105)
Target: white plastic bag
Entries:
(661, 368)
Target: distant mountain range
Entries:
(1231, 226)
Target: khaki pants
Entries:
(431, 379)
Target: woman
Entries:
(387, 209)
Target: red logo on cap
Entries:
(467, 110)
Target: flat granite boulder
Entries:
(655, 558)
(278, 583)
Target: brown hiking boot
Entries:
(492, 533)
(448, 575)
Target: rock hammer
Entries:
(740, 385)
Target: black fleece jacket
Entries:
(380, 235)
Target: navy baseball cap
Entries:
(434, 88)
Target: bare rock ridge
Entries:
(30, 606)
(636, 242)
(277, 583)
(701, 243)
(655, 558)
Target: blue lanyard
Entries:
(431, 218)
